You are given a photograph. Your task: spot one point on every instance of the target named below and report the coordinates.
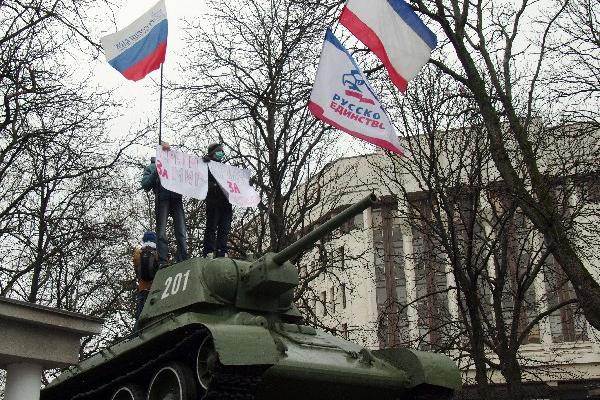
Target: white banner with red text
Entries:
(182, 173)
(235, 183)
(187, 174)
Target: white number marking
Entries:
(167, 285)
(176, 284)
(186, 275)
(173, 284)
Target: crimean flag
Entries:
(139, 48)
(343, 98)
(394, 33)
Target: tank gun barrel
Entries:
(309, 239)
(272, 276)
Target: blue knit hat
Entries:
(149, 237)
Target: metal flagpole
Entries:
(160, 107)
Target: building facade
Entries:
(397, 286)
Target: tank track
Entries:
(228, 382)
(235, 383)
(164, 356)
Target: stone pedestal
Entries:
(35, 338)
(23, 381)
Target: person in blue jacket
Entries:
(166, 203)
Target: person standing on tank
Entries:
(218, 210)
(145, 261)
(166, 203)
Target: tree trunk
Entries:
(476, 334)
(511, 371)
(540, 210)
(40, 248)
(478, 354)
(585, 286)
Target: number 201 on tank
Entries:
(174, 284)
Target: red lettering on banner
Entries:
(162, 172)
(233, 188)
(198, 179)
(354, 117)
(333, 105)
(193, 162)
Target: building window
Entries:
(332, 299)
(589, 187)
(345, 331)
(342, 256)
(324, 302)
(347, 226)
(430, 280)
(343, 294)
(359, 222)
(567, 324)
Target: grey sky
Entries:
(141, 97)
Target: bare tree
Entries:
(33, 47)
(250, 76)
(64, 230)
(486, 40)
(576, 49)
(480, 266)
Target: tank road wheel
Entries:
(129, 392)
(207, 362)
(174, 381)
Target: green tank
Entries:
(228, 329)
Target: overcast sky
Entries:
(141, 97)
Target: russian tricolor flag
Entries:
(392, 30)
(139, 48)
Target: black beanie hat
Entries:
(149, 237)
(212, 148)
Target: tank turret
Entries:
(227, 328)
(267, 284)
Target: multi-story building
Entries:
(395, 285)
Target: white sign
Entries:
(235, 184)
(182, 173)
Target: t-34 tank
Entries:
(228, 329)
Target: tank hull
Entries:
(295, 361)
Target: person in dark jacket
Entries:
(218, 210)
(166, 203)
